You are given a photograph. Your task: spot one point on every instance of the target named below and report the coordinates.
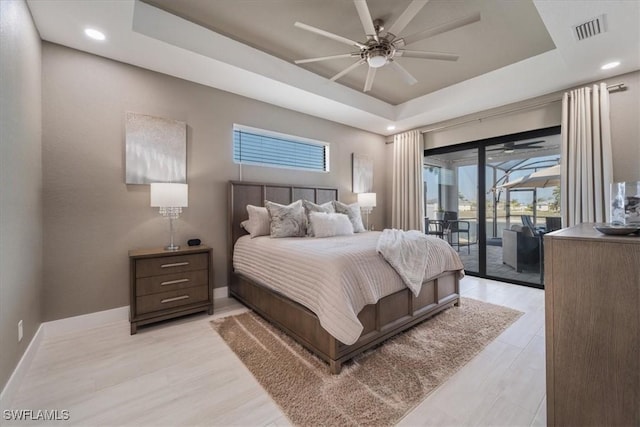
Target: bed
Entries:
(390, 315)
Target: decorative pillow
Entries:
(330, 224)
(353, 212)
(312, 207)
(258, 222)
(287, 221)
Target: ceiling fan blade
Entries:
(530, 143)
(324, 58)
(406, 76)
(457, 23)
(443, 56)
(365, 18)
(329, 35)
(510, 146)
(347, 70)
(371, 74)
(409, 13)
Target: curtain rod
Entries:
(612, 88)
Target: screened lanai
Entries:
(496, 214)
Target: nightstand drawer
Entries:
(164, 300)
(170, 282)
(170, 264)
(166, 284)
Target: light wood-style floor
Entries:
(182, 373)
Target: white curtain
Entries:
(587, 169)
(407, 205)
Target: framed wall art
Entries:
(156, 149)
(362, 170)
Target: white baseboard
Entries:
(83, 322)
(59, 327)
(10, 389)
(93, 320)
(220, 292)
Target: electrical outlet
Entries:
(20, 331)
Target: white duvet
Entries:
(334, 277)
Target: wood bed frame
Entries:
(389, 316)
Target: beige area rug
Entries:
(379, 386)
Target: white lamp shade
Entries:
(166, 195)
(367, 200)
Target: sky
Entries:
(467, 182)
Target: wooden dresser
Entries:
(592, 298)
(166, 284)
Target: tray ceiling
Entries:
(519, 50)
(508, 32)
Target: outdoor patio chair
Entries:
(528, 222)
(521, 249)
(457, 227)
(553, 223)
(434, 227)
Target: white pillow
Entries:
(330, 224)
(312, 207)
(353, 212)
(258, 223)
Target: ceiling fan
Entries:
(384, 47)
(510, 147)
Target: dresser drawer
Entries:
(171, 282)
(170, 264)
(178, 298)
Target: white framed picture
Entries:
(362, 170)
(156, 149)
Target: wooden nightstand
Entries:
(166, 284)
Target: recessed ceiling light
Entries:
(391, 127)
(94, 34)
(610, 65)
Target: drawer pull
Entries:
(166, 300)
(175, 264)
(173, 282)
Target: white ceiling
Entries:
(507, 32)
(148, 37)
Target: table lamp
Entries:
(170, 198)
(367, 202)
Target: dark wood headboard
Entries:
(243, 193)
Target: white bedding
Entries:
(334, 277)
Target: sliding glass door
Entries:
(451, 202)
(493, 200)
(517, 208)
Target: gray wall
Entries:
(625, 125)
(92, 218)
(20, 183)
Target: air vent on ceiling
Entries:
(591, 28)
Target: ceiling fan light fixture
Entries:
(376, 58)
(380, 49)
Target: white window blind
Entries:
(265, 148)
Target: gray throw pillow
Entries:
(353, 212)
(287, 221)
(312, 207)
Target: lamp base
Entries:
(172, 248)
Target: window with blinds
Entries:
(265, 148)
